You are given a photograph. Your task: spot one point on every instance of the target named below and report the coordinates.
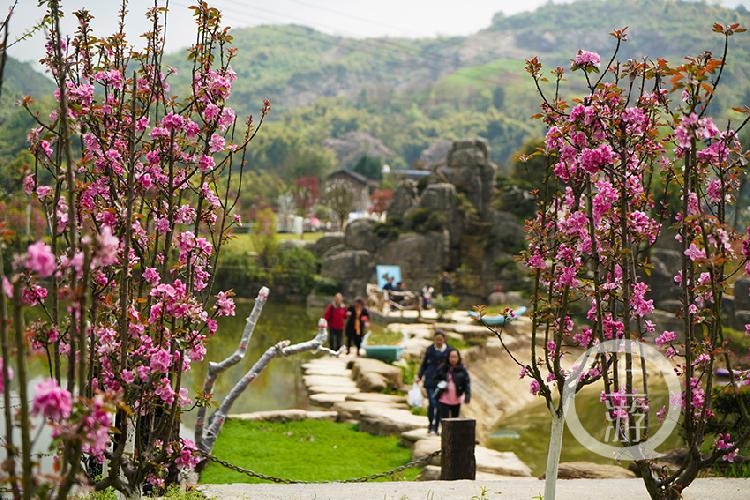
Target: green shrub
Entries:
(388, 230)
(294, 270)
(326, 286)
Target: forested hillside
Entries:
(404, 95)
(336, 99)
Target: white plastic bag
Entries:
(414, 396)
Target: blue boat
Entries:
(387, 353)
(498, 319)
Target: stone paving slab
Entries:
(510, 489)
(351, 410)
(332, 370)
(505, 463)
(386, 421)
(329, 380)
(332, 389)
(377, 397)
(432, 473)
(326, 400)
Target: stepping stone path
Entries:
(337, 383)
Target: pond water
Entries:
(526, 433)
(280, 385)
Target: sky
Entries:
(352, 18)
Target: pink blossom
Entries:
(189, 456)
(694, 253)
(151, 275)
(172, 121)
(211, 112)
(224, 304)
(534, 387)
(161, 361)
(47, 148)
(216, 143)
(702, 359)
(108, 244)
(206, 163)
(40, 259)
(33, 294)
(666, 337)
(586, 59)
(51, 400)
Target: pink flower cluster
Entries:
(586, 59)
(51, 401)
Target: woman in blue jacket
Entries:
(434, 357)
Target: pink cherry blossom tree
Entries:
(120, 292)
(612, 154)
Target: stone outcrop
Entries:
(351, 268)
(322, 245)
(429, 224)
(422, 257)
(405, 196)
(468, 168)
(591, 470)
(359, 235)
(666, 263)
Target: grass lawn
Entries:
(308, 450)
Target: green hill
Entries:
(336, 98)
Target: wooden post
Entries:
(457, 458)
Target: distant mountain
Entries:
(411, 94)
(20, 79)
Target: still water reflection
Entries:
(280, 385)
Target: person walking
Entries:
(434, 357)
(335, 316)
(454, 385)
(357, 324)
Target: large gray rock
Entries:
(405, 196)
(359, 235)
(440, 197)
(422, 257)
(742, 294)
(325, 243)
(467, 167)
(351, 268)
(435, 152)
(666, 263)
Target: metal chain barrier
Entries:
(414, 463)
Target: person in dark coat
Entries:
(434, 357)
(357, 324)
(454, 385)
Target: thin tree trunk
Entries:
(553, 454)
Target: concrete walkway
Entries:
(516, 489)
